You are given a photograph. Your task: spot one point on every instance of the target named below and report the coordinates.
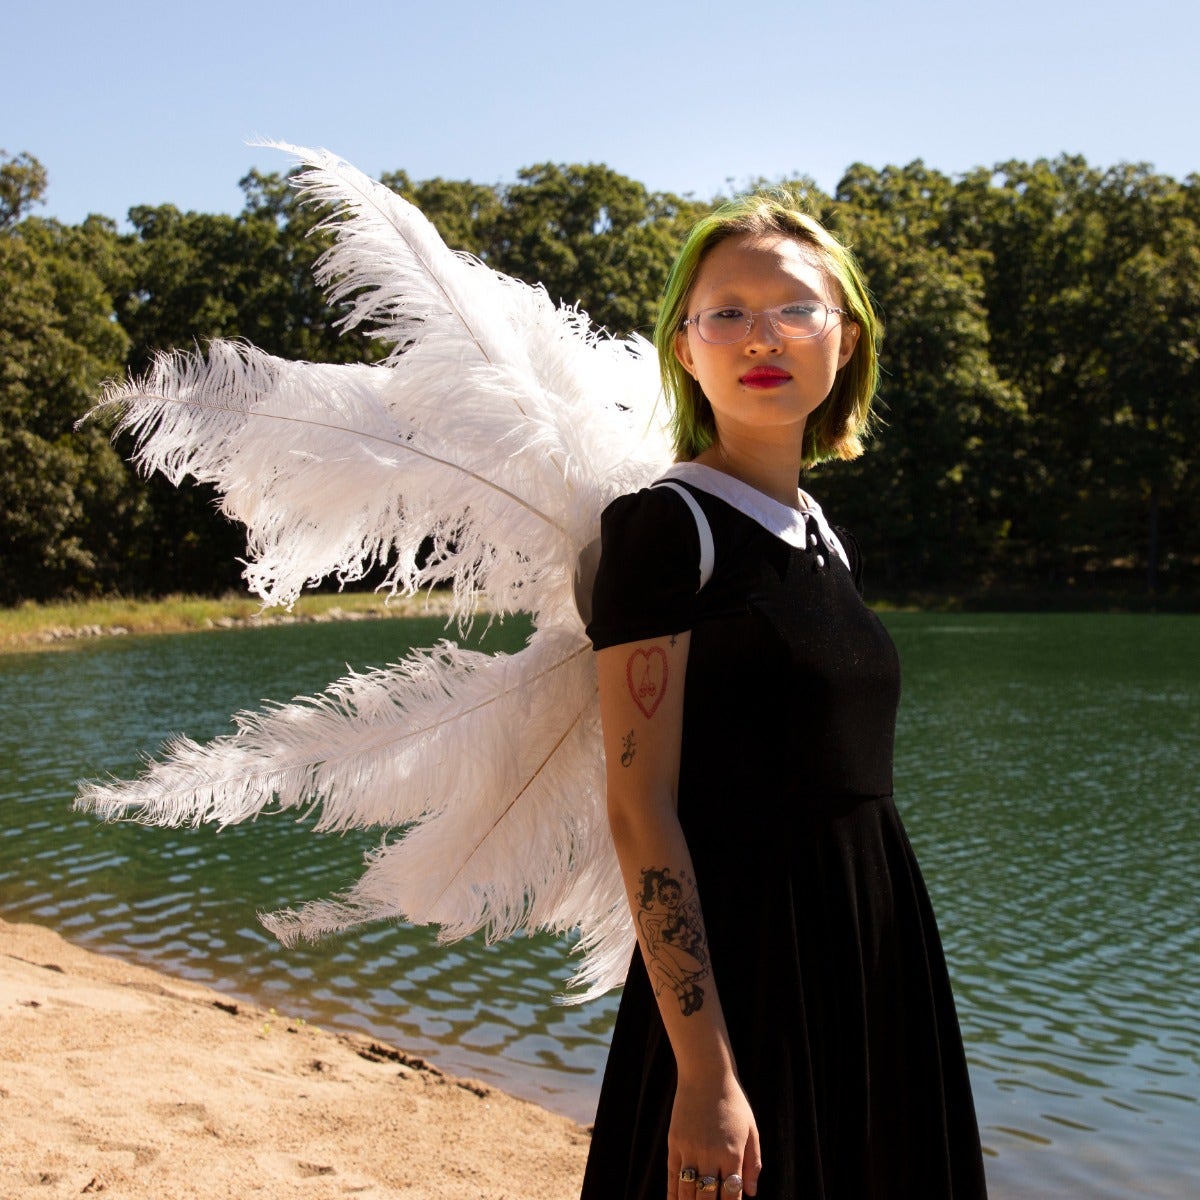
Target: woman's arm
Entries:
(641, 707)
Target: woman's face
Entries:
(765, 384)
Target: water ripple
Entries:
(1046, 770)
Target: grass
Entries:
(64, 624)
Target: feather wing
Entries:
(332, 470)
(497, 436)
(496, 432)
(487, 763)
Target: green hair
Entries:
(838, 425)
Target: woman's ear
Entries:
(850, 332)
(683, 352)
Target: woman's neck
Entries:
(767, 469)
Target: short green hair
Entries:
(839, 424)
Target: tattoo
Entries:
(672, 639)
(646, 675)
(673, 936)
(628, 749)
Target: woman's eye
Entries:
(799, 309)
(726, 314)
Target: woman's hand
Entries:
(713, 1132)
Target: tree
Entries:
(193, 277)
(66, 502)
(1092, 316)
(931, 499)
(1040, 402)
(22, 185)
(464, 213)
(1147, 302)
(591, 236)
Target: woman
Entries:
(788, 1015)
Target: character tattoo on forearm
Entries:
(672, 932)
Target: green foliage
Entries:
(934, 468)
(464, 213)
(22, 184)
(66, 501)
(1040, 401)
(588, 235)
(592, 237)
(195, 276)
(1092, 312)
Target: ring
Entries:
(687, 1175)
(732, 1184)
(706, 1183)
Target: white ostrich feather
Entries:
(391, 266)
(498, 429)
(484, 761)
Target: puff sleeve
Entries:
(649, 569)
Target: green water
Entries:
(1047, 769)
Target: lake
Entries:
(1047, 770)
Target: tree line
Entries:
(1040, 402)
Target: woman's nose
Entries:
(763, 335)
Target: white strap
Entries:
(786, 523)
(708, 552)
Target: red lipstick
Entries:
(765, 377)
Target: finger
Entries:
(708, 1185)
(681, 1182)
(751, 1164)
(731, 1185)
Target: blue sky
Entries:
(146, 103)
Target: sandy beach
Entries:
(118, 1080)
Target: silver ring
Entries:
(688, 1175)
(732, 1184)
(706, 1183)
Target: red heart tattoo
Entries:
(646, 674)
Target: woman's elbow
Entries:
(633, 818)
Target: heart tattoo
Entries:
(646, 674)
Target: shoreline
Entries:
(116, 1077)
(31, 628)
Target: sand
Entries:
(118, 1080)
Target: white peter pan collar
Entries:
(786, 523)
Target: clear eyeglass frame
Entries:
(729, 323)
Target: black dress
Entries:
(823, 944)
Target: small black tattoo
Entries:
(672, 639)
(628, 749)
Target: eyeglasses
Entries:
(729, 323)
